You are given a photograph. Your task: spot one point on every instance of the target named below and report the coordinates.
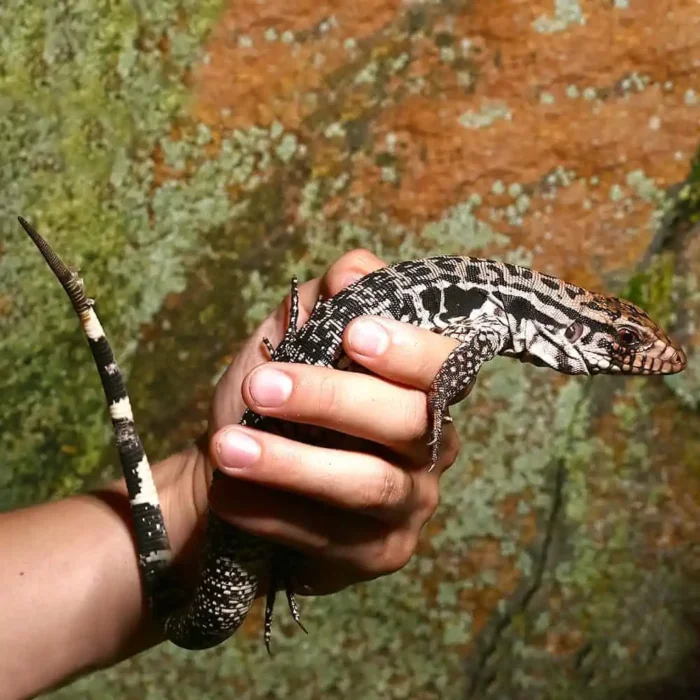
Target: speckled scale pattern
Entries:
(489, 307)
(234, 563)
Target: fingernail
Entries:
(269, 387)
(236, 450)
(367, 337)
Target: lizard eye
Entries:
(627, 337)
(574, 331)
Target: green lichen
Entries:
(652, 287)
(86, 95)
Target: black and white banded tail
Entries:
(153, 546)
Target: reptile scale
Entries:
(490, 308)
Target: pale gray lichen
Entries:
(566, 13)
(489, 112)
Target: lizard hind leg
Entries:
(292, 325)
(279, 573)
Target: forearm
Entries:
(71, 595)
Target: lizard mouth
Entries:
(660, 358)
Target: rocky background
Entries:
(190, 156)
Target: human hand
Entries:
(356, 514)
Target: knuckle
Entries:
(391, 491)
(316, 541)
(327, 396)
(359, 261)
(319, 543)
(384, 492)
(429, 501)
(263, 527)
(415, 416)
(397, 551)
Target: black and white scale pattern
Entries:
(489, 307)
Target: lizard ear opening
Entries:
(574, 331)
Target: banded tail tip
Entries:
(54, 262)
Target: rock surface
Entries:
(195, 156)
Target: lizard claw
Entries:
(293, 607)
(434, 457)
(434, 445)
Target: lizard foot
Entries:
(438, 411)
(279, 573)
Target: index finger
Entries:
(397, 351)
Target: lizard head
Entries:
(615, 336)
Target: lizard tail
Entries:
(152, 543)
(55, 263)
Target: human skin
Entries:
(72, 599)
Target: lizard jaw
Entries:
(661, 357)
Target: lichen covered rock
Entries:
(201, 154)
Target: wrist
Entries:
(183, 481)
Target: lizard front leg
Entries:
(457, 375)
(293, 322)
